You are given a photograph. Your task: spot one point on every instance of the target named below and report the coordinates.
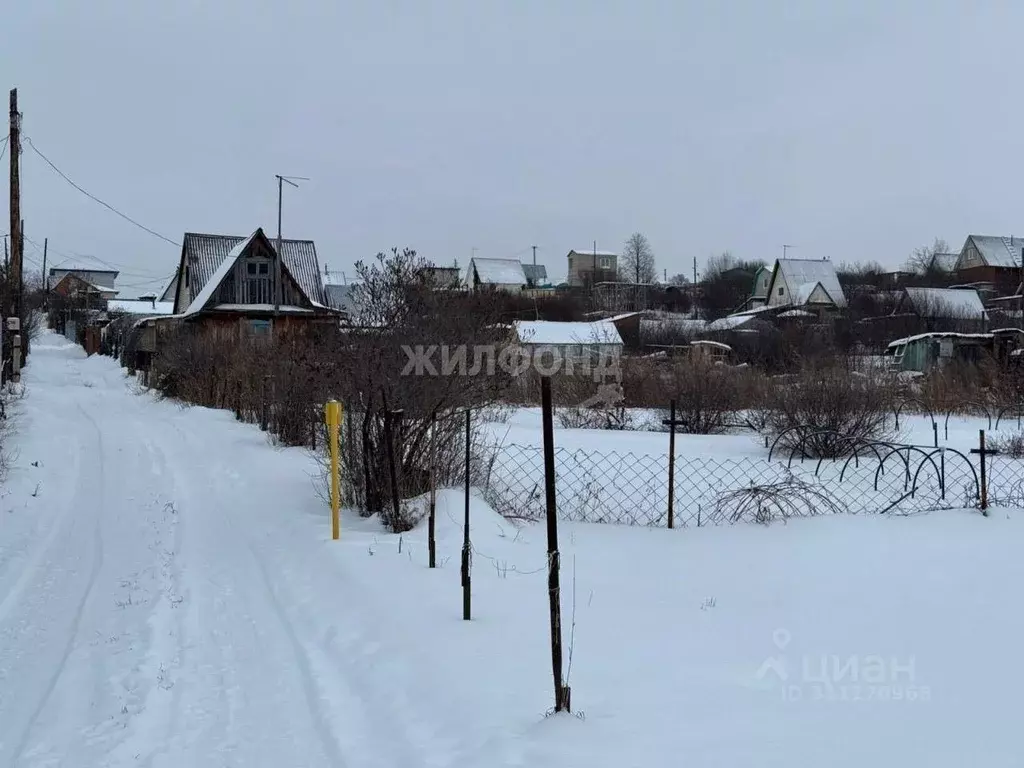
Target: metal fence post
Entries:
(554, 587)
(984, 479)
(466, 580)
(671, 463)
(431, 519)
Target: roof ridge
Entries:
(243, 237)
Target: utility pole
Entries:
(278, 293)
(695, 271)
(534, 255)
(46, 277)
(14, 277)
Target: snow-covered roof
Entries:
(946, 302)
(140, 307)
(677, 322)
(716, 344)
(284, 308)
(341, 296)
(939, 335)
(554, 333)
(796, 313)
(202, 254)
(754, 311)
(592, 252)
(729, 322)
(536, 273)
(497, 271)
(207, 291)
(803, 275)
(945, 262)
(999, 251)
(103, 279)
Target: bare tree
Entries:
(922, 260)
(679, 279)
(727, 282)
(637, 263)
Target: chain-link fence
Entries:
(1005, 481)
(633, 488)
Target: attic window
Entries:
(257, 282)
(781, 291)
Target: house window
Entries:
(606, 263)
(257, 283)
(259, 327)
(781, 291)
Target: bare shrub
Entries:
(1011, 445)
(581, 402)
(824, 409)
(782, 500)
(394, 313)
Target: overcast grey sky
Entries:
(853, 130)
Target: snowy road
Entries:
(170, 596)
(146, 614)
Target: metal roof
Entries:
(205, 253)
(340, 297)
(496, 271)
(803, 276)
(171, 291)
(947, 303)
(536, 273)
(103, 278)
(999, 251)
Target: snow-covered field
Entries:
(622, 476)
(170, 596)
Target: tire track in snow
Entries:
(319, 719)
(142, 746)
(97, 563)
(31, 566)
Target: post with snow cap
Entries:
(333, 416)
(562, 693)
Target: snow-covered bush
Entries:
(822, 410)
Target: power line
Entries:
(71, 256)
(93, 197)
(146, 283)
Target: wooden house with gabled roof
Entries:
(225, 285)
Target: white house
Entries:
(496, 274)
(576, 341)
(805, 283)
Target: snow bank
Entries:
(678, 655)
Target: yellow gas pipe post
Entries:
(333, 416)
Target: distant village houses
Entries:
(587, 267)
